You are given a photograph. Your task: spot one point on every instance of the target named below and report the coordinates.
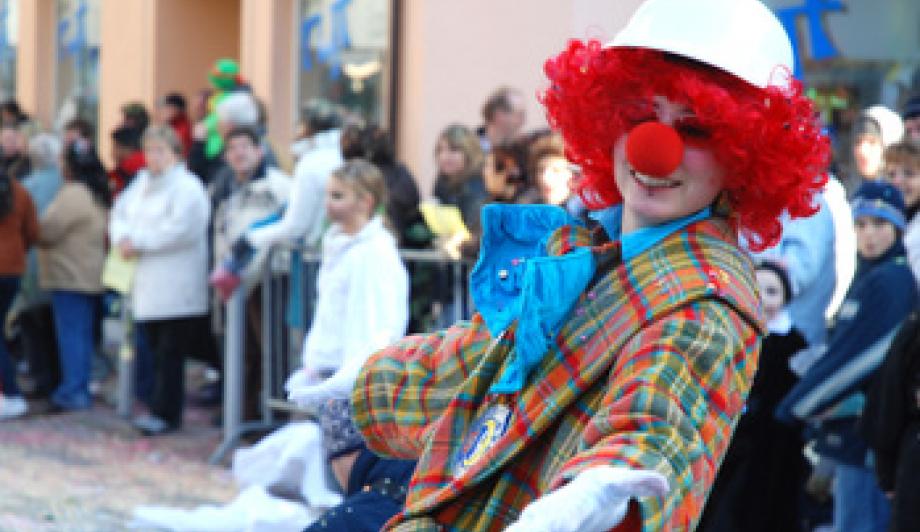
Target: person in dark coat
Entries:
(891, 425)
(171, 110)
(830, 394)
(373, 144)
(759, 484)
(459, 181)
(374, 487)
(128, 156)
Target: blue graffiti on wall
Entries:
(77, 43)
(330, 53)
(820, 44)
(306, 31)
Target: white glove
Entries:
(306, 391)
(596, 500)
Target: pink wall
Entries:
(150, 47)
(455, 53)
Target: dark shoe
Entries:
(151, 425)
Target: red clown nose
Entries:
(654, 149)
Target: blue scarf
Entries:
(516, 280)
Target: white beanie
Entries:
(238, 108)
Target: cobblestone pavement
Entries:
(86, 471)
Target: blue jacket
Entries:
(376, 492)
(882, 294)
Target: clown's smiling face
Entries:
(652, 200)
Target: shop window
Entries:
(77, 64)
(9, 37)
(345, 55)
(852, 54)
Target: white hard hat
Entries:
(741, 37)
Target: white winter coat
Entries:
(363, 298)
(305, 216)
(166, 219)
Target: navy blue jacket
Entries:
(882, 294)
(376, 492)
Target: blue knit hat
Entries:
(881, 200)
(911, 108)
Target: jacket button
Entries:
(502, 274)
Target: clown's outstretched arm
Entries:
(662, 428)
(403, 389)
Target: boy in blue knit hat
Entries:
(830, 395)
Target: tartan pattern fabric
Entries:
(650, 371)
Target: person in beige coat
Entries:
(71, 256)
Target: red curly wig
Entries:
(768, 140)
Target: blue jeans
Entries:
(74, 313)
(9, 286)
(859, 504)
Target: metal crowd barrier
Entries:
(282, 342)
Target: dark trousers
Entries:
(9, 287)
(170, 341)
(40, 347)
(252, 379)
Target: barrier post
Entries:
(268, 316)
(234, 338)
(124, 396)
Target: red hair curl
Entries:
(768, 141)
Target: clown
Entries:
(598, 385)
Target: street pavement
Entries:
(86, 471)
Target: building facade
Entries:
(412, 65)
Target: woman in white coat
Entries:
(161, 219)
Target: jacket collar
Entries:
(896, 250)
(164, 178)
(535, 261)
(635, 242)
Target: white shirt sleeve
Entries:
(303, 215)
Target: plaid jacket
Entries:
(650, 371)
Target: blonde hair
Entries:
(365, 178)
(164, 134)
(462, 139)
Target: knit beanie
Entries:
(340, 435)
(911, 108)
(881, 122)
(881, 200)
